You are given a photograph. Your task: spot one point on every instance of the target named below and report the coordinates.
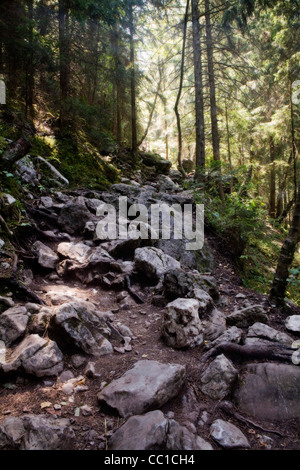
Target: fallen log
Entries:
(15, 152)
(274, 351)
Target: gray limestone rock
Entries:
(228, 435)
(182, 326)
(37, 356)
(13, 323)
(79, 323)
(270, 391)
(154, 263)
(260, 330)
(218, 379)
(247, 316)
(143, 432)
(148, 385)
(46, 257)
(292, 323)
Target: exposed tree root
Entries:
(274, 351)
(228, 408)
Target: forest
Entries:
(173, 100)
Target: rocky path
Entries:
(140, 344)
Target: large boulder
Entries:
(214, 325)
(270, 391)
(188, 165)
(79, 324)
(13, 323)
(154, 263)
(73, 217)
(247, 316)
(260, 330)
(201, 260)
(143, 432)
(161, 165)
(153, 431)
(46, 257)
(74, 251)
(37, 356)
(36, 432)
(147, 386)
(232, 335)
(182, 327)
(26, 171)
(178, 283)
(218, 379)
(165, 183)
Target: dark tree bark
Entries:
(199, 100)
(29, 108)
(176, 108)
(134, 143)
(64, 58)
(278, 291)
(117, 83)
(228, 146)
(294, 148)
(282, 190)
(213, 101)
(272, 200)
(94, 31)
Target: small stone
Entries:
(32, 308)
(66, 375)
(67, 389)
(86, 411)
(228, 435)
(240, 296)
(204, 418)
(53, 277)
(77, 360)
(48, 383)
(6, 302)
(57, 407)
(90, 371)
(266, 441)
(81, 388)
(292, 323)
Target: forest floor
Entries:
(20, 395)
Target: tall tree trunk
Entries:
(29, 109)
(64, 57)
(213, 102)
(282, 188)
(117, 84)
(95, 36)
(228, 146)
(199, 100)
(134, 143)
(176, 108)
(278, 291)
(272, 201)
(294, 149)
